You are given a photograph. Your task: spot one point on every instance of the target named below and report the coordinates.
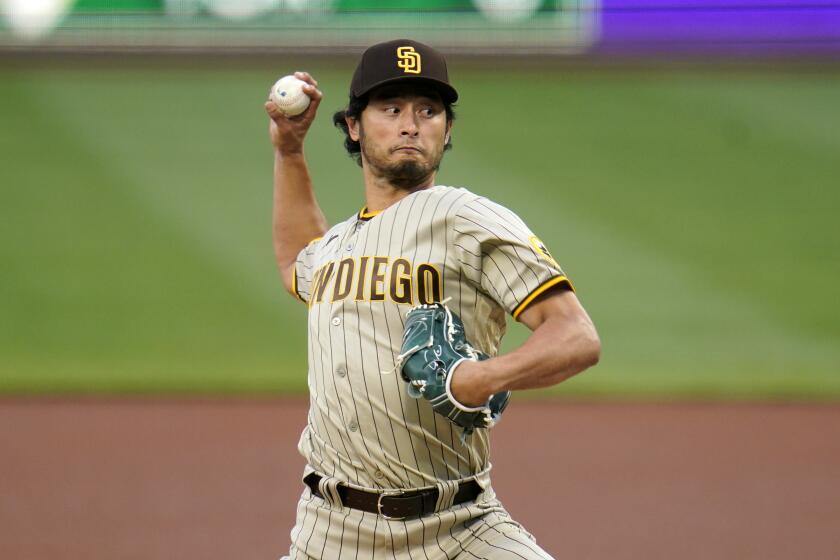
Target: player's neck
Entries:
(380, 193)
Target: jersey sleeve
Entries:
(304, 266)
(502, 257)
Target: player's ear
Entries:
(352, 128)
(448, 134)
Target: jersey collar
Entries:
(364, 215)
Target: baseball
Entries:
(287, 93)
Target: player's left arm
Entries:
(564, 342)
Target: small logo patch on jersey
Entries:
(409, 60)
(542, 250)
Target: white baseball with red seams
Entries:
(288, 95)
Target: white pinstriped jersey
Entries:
(359, 280)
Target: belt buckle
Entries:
(384, 494)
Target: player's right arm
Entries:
(296, 215)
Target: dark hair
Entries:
(354, 110)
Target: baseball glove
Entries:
(433, 345)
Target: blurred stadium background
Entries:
(679, 158)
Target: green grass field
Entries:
(696, 213)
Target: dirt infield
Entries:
(220, 479)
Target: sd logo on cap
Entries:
(409, 60)
(402, 59)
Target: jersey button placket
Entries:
(336, 321)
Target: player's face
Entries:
(402, 133)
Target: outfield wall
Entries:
(564, 27)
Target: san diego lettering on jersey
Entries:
(377, 278)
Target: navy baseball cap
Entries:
(402, 59)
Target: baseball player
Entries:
(394, 469)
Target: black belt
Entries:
(395, 504)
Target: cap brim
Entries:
(447, 92)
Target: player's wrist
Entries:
(468, 384)
(288, 152)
